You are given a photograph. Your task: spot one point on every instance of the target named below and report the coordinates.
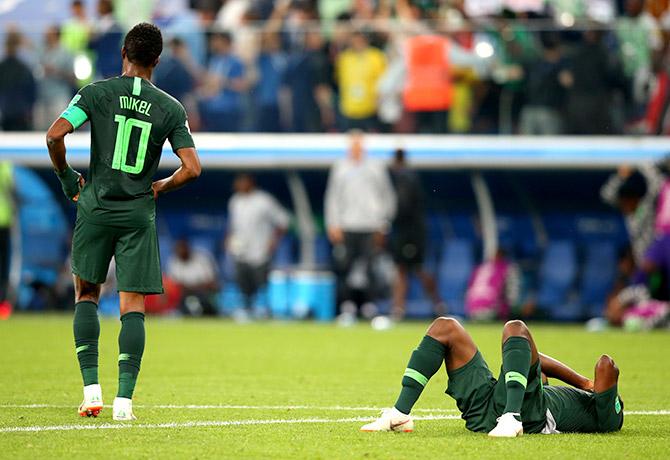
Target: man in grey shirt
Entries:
(359, 205)
(257, 222)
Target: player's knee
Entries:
(87, 291)
(515, 328)
(606, 365)
(443, 327)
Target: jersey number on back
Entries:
(123, 133)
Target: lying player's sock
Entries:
(516, 364)
(131, 348)
(424, 363)
(86, 329)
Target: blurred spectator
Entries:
(105, 41)
(176, 73)
(591, 80)
(634, 309)
(657, 257)
(308, 79)
(221, 105)
(408, 237)
(55, 87)
(272, 64)
(18, 90)
(428, 89)
(640, 42)
(132, 12)
(546, 80)
(177, 20)
(359, 206)
(75, 31)
(358, 70)
(194, 270)
(6, 220)
(635, 197)
(493, 290)
(257, 223)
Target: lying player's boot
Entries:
(508, 426)
(391, 420)
(92, 404)
(123, 410)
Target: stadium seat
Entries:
(597, 276)
(558, 271)
(454, 273)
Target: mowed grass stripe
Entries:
(288, 407)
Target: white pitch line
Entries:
(199, 424)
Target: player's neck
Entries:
(132, 70)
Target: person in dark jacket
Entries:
(18, 90)
(408, 237)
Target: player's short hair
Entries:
(143, 44)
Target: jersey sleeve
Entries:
(79, 110)
(180, 136)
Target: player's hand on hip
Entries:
(82, 182)
(155, 188)
(71, 182)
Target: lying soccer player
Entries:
(518, 401)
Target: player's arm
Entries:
(553, 368)
(187, 172)
(70, 179)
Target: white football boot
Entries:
(391, 420)
(123, 410)
(508, 426)
(92, 404)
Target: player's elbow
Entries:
(192, 171)
(53, 137)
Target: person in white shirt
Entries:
(359, 206)
(257, 223)
(195, 271)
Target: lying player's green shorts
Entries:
(481, 398)
(135, 250)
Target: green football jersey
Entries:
(574, 410)
(130, 121)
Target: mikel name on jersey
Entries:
(138, 105)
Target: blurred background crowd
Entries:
(499, 66)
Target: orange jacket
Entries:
(428, 85)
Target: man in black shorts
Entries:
(518, 401)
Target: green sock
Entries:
(131, 348)
(516, 364)
(86, 328)
(423, 364)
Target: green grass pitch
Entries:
(318, 378)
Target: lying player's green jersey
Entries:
(130, 121)
(581, 411)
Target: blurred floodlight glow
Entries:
(566, 20)
(484, 49)
(83, 68)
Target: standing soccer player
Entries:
(116, 208)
